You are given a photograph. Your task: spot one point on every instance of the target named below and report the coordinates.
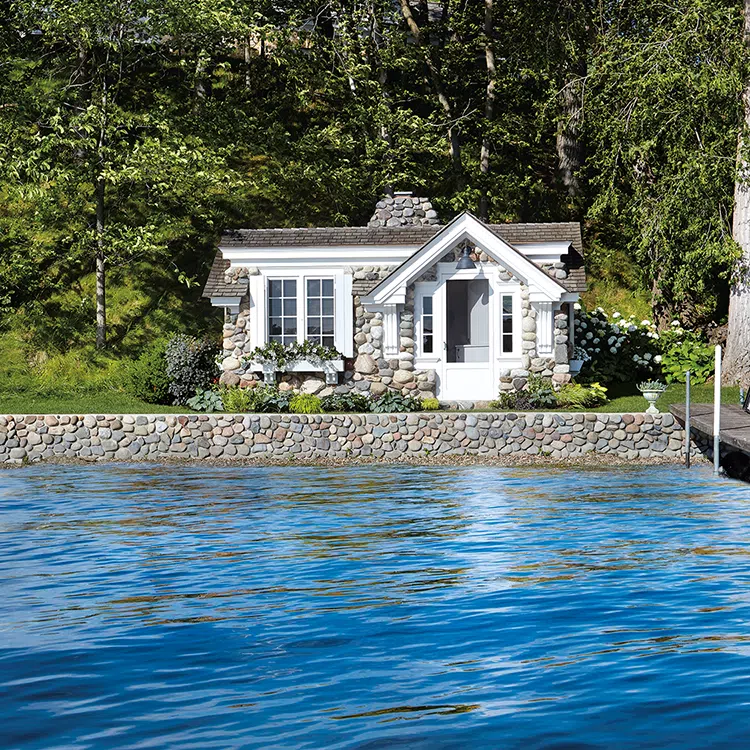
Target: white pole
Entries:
(717, 409)
(687, 419)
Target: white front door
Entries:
(467, 373)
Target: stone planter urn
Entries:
(651, 392)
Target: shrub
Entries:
(237, 399)
(346, 402)
(430, 404)
(191, 364)
(268, 399)
(685, 350)
(146, 377)
(305, 403)
(615, 349)
(391, 401)
(205, 400)
(539, 394)
(577, 396)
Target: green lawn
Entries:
(623, 398)
(626, 398)
(105, 402)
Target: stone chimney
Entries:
(402, 210)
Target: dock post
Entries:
(687, 419)
(717, 410)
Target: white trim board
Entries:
(466, 227)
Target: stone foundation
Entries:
(339, 436)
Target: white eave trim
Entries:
(343, 255)
(466, 227)
(231, 302)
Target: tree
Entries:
(737, 355)
(93, 144)
(663, 85)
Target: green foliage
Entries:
(315, 119)
(615, 349)
(578, 396)
(652, 385)
(305, 403)
(664, 100)
(685, 350)
(207, 400)
(191, 365)
(236, 399)
(268, 399)
(146, 378)
(279, 355)
(539, 394)
(392, 402)
(430, 404)
(352, 401)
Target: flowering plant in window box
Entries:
(305, 356)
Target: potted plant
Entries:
(651, 390)
(580, 356)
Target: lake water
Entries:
(373, 607)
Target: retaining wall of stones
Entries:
(338, 436)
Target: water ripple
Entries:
(373, 607)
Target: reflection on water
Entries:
(373, 607)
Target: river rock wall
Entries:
(31, 438)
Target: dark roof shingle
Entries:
(217, 285)
(514, 234)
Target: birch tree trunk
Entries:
(489, 110)
(737, 355)
(101, 299)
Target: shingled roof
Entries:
(217, 284)
(407, 235)
(514, 234)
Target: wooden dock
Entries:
(735, 423)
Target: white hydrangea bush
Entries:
(615, 348)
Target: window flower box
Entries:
(330, 368)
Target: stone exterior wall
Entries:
(369, 370)
(338, 436)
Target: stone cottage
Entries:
(459, 311)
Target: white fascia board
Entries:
(345, 255)
(466, 227)
(543, 251)
(226, 301)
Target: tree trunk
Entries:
(737, 355)
(569, 145)
(101, 300)
(489, 111)
(437, 83)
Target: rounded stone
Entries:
(230, 363)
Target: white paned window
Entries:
(428, 339)
(320, 321)
(282, 310)
(507, 323)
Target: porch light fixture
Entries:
(465, 262)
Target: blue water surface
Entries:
(373, 607)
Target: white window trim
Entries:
(421, 360)
(512, 289)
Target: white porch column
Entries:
(391, 343)
(544, 328)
